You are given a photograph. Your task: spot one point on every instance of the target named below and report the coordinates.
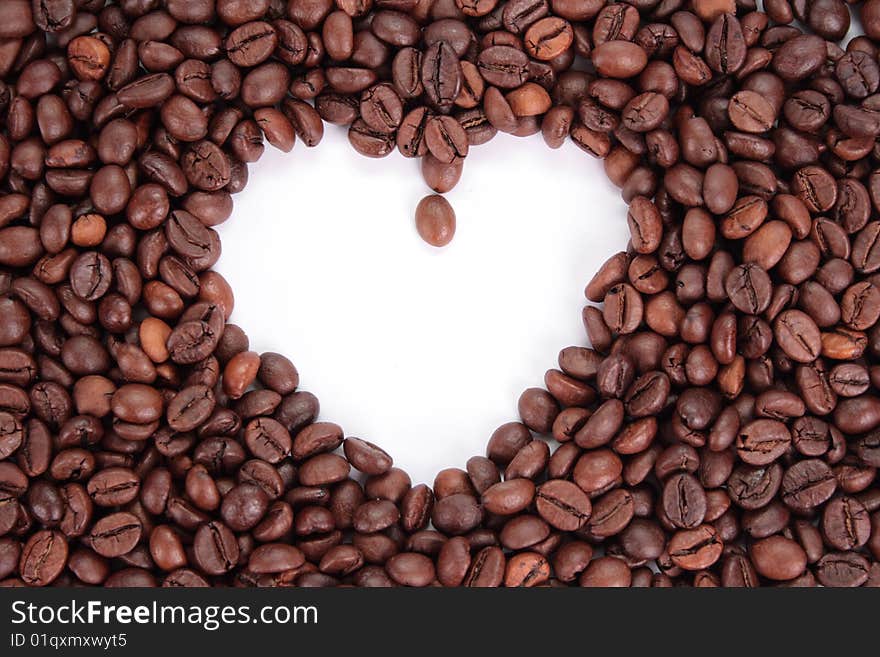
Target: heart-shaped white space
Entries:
(423, 351)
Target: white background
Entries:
(423, 351)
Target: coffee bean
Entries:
(406, 73)
(842, 569)
(695, 549)
(116, 534)
(148, 91)
(619, 59)
(456, 514)
(113, 486)
(645, 225)
(43, 558)
(726, 47)
(753, 487)
(435, 220)
(441, 75)
(369, 142)
(548, 38)
(816, 188)
(798, 336)
(684, 501)
(778, 558)
(761, 442)
(504, 66)
(215, 549)
(11, 434)
(845, 524)
(509, 497)
(563, 505)
(645, 112)
(381, 108)
(749, 288)
(446, 139)
(751, 112)
(807, 484)
(367, 457)
(799, 57)
(251, 44)
(206, 167)
(267, 439)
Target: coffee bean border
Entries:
(722, 429)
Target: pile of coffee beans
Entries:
(723, 427)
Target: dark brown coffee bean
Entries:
(816, 188)
(645, 112)
(369, 142)
(846, 524)
(751, 112)
(798, 335)
(762, 441)
(503, 66)
(563, 505)
(548, 38)
(684, 501)
(441, 75)
(381, 108)
(842, 569)
(116, 534)
(695, 549)
(749, 288)
(215, 549)
(778, 558)
(807, 484)
(43, 558)
(446, 139)
(753, 487)
(206, 166)
(251, 44)
(113, 486)
(367, 457)
(800, 57)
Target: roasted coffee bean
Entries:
(845, 524)
(381, 108)
(563, 505)
(645, 112)
(799, 57)
(807, 484)
(503, 66)
(761, 442)
(113, 486)
(749, 288)
(751, 112)
(548, 38)
(215, 549)
(435, 220)
(695, 549)
(369, 142)
(116, 534)
(778, 558)
(43, 558)
(441, 75)
(684, 501)
(798, 336)
(446, 139)
(842, 569)
(753, 487)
